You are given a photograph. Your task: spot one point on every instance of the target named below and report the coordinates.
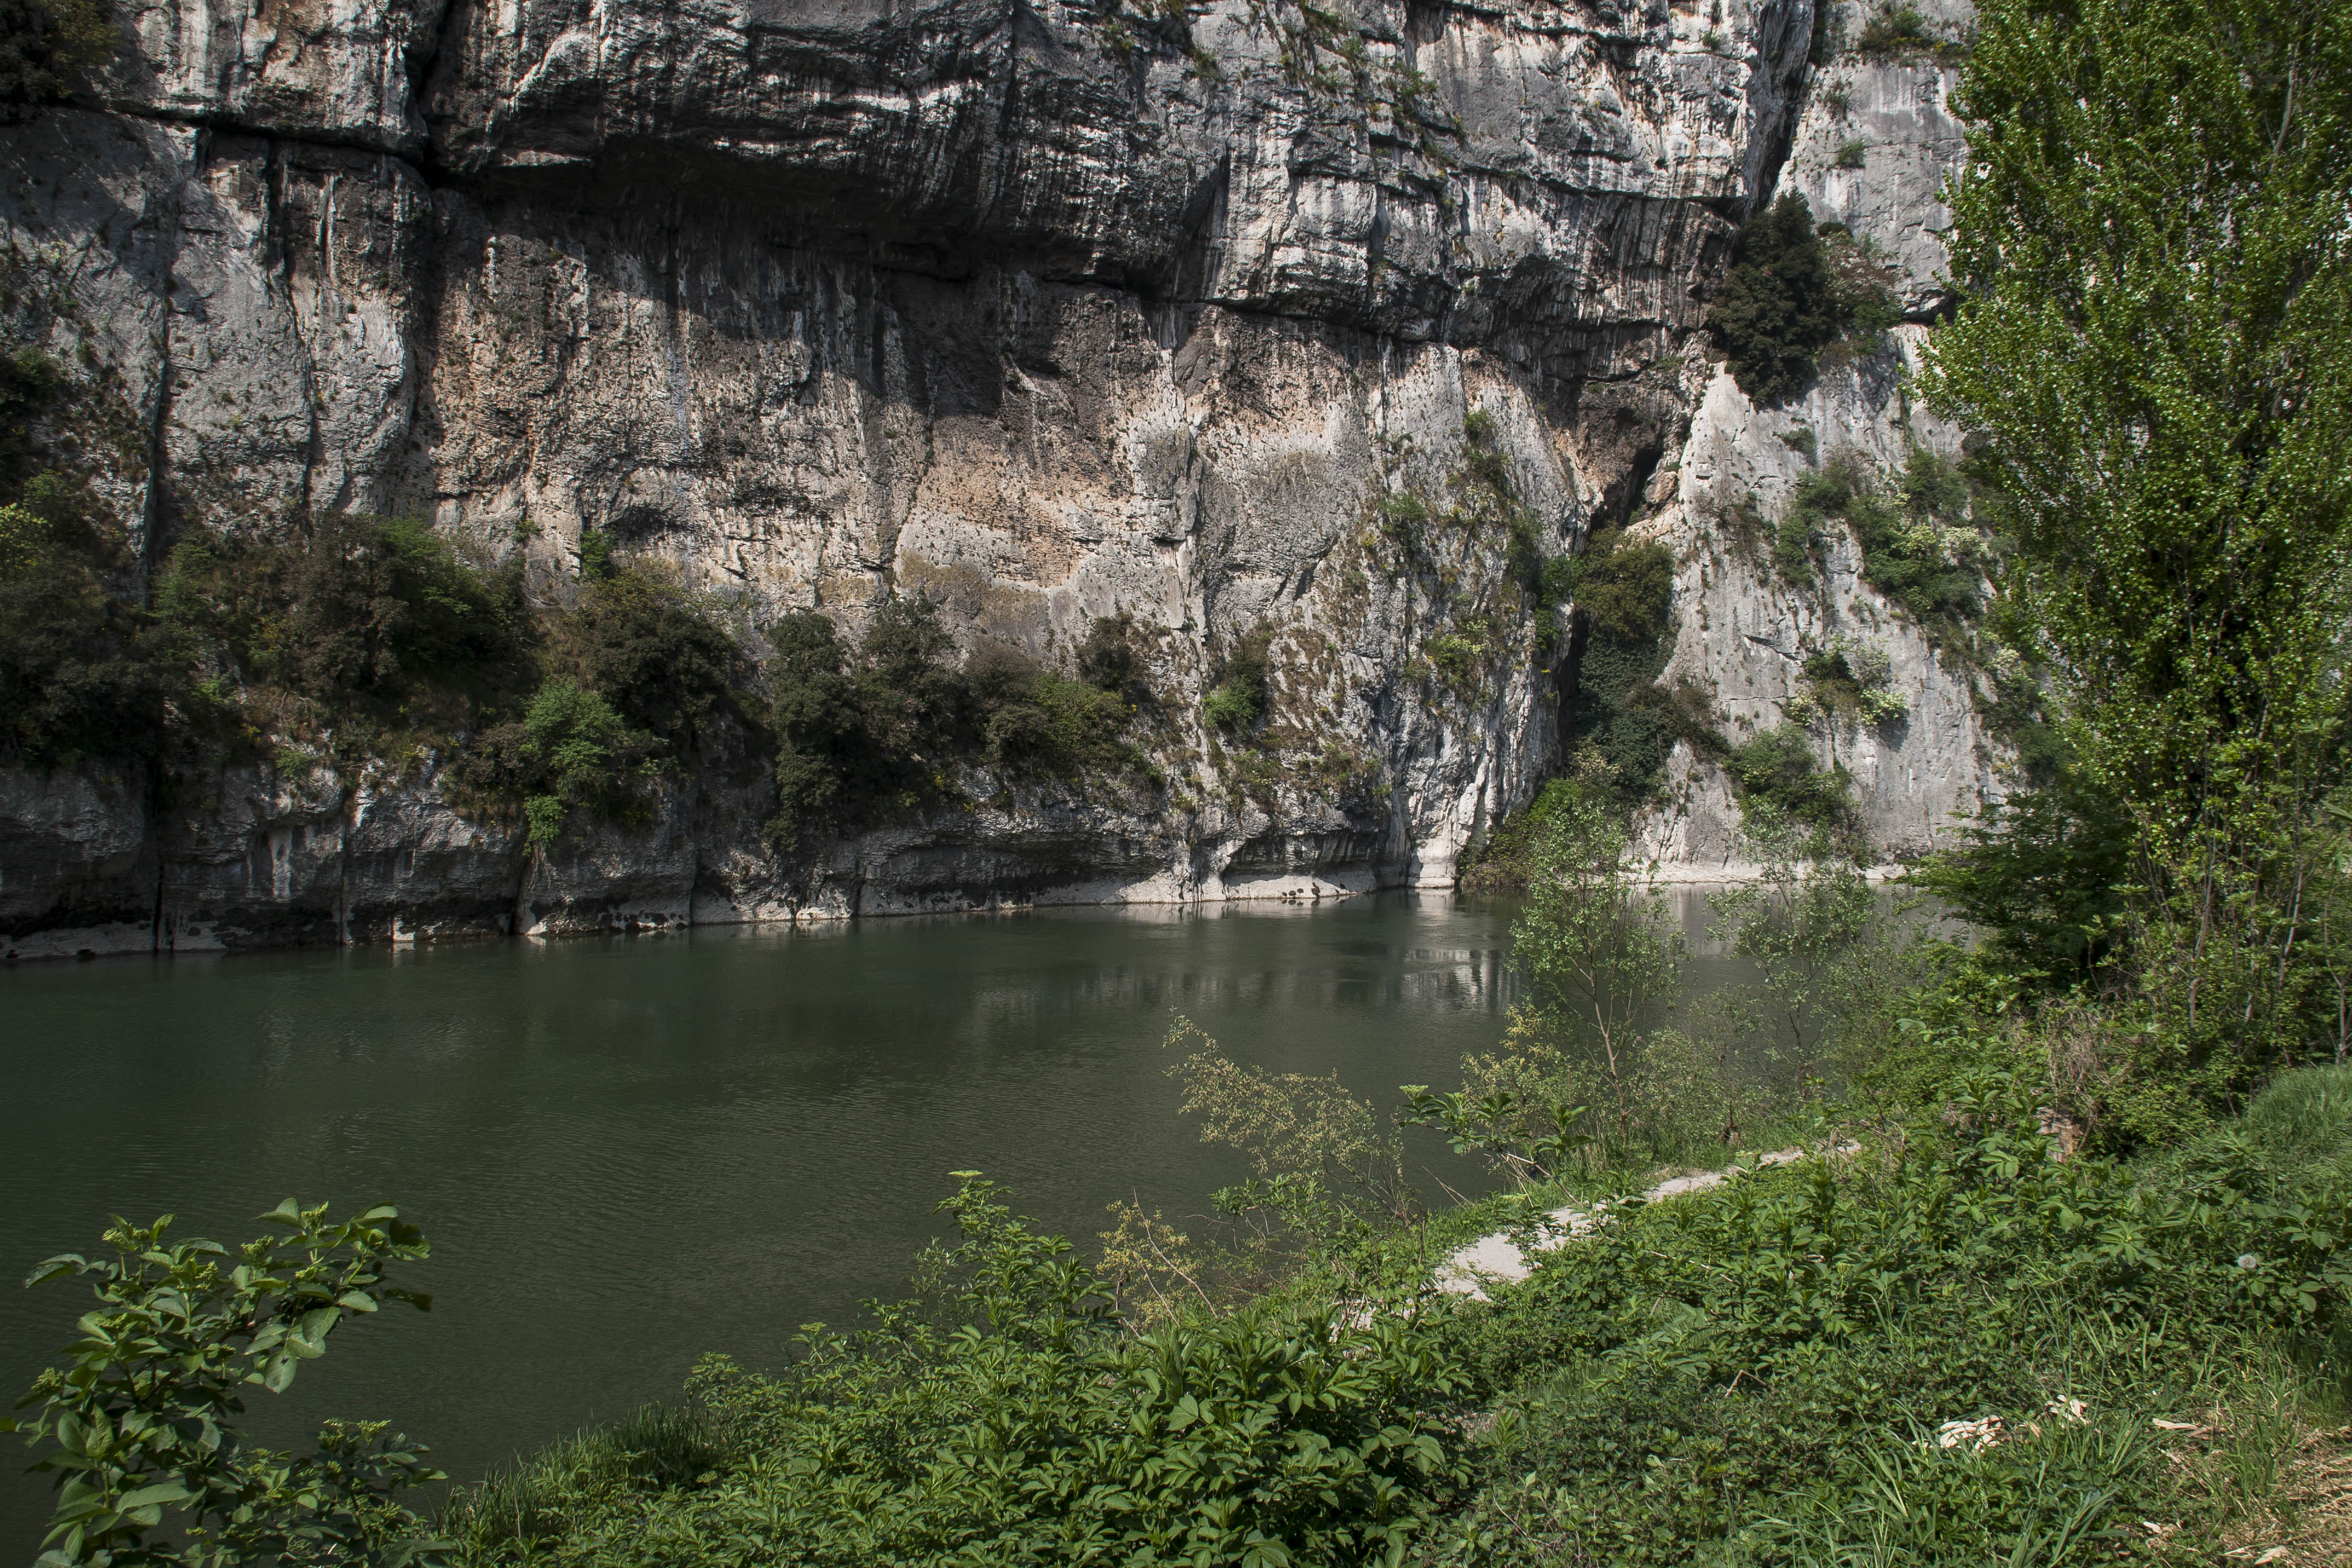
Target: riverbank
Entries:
(1944, 1345)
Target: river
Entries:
(629, 1151)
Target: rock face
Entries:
(1048, 311)
(1873, 145)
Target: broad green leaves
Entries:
(144, 1417)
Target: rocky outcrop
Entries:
(1048, 312)
(1872, 147)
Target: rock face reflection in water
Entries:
(629, 1151)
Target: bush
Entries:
(1617, 709)
(1779, 305)
(1920, 549)
(863, 735)
(650, 645)
(1111, 658)
(148, 1415)
(581, 754)
(48, 48)
(1243, 693)
(1776, 772)
(1899, 32)
(80, 671)
(1003, 1415)
(375, 604)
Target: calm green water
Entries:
(627, 1153)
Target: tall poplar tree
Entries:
(2153, 247)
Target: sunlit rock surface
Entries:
(1046, 317)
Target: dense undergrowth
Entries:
(366, 646)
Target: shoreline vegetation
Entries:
(2069, 1284)
(1971, 1323)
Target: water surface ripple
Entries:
(629, 1151)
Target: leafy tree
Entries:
(581, 753)
(2155, 348)
(79, 671)
(1779, 305)
(865, 734)
(650, 647)
(371, 603)
(47, 46)
(1599, 963)
(147, 1416)
(1110, 659)
(1802, 924)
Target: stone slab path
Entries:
(1497, 1259)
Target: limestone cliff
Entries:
(1048, 312)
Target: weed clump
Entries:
(1243, 693)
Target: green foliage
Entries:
(1778, 779)
(1773, 1371)
(368, 631)
(1806, 924)
(1900, 32)
(536, 1500)
(2042, 875)
(48, 48)
(1847, 683)
(2152, 355)
(1587, 1075)
(1404, 521)
(1779, 305)
(30, 382)
(1618, 709)
(146, 1415)
(2155, 348)
(1243, 693)
(1624, 590)
(652, 649)
(372, 606)
(1112, 658)
(1003, 1415)
(1918, 547)
(865, 734)
(577, 752)
(81, 673)
(1793, 294)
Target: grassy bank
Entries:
(1950, 1346)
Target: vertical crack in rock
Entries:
(983, 302)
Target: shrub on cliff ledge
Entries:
(865, 734)
(1779, 305)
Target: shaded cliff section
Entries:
(1048, 313)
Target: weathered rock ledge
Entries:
(1045, 318)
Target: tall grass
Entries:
(539, 1498)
